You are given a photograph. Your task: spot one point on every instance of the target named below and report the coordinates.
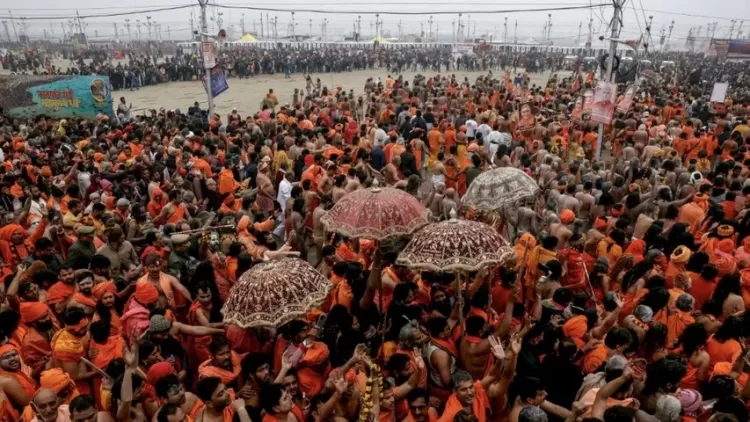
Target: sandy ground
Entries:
(246, 94)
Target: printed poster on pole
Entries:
(605, 97)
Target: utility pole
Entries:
(294, 38)
(459, 31)
(242, 25)
(549, 28)
(7, 33)
(207, 74)
(115, 25)
(359, 27)
(616, 21)
(169, 32)
(192, 27)
(453, 33)
(505, 32)
(515, 33)
(127, 26)
(400, 30)
(662, 36)
(13, 23)
(377, 25)
(430, 21)
(468, 26)
(275, 27)
(578, 40)
(148, 26)
(24, 29)
(138, 28)
(310, 28)
(261, 25)
(591, 32)
(669, 35)
(731, 29)
(739, 30)
(62, 25)
(51, 30)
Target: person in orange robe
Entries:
(11, 367)
(724, 257)
(68, 347)
(35, 346)
(59, 293)
(108, 348)
(198, 315)
(724, 346)
(576, 328)
(105, 294)
(459, 399)
(227, 183)
(693, 213)
(156, 204)
(677, 262)
(224, 363)
(541, 254)
(15, 243)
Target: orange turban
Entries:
(722, 368)
(576, 327)
(567, 216)
(7, 348)
(98, 156)
(46, 171)
(158, 371)
(56, 380)
(600, 224)
(146, 293)
(111, 203)
(32, 311)
(100, 289)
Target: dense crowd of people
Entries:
(626, 298)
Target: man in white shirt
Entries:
(285, 192)
(484, 129)
(471, 127)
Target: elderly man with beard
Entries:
(165, 334)
(47, 407)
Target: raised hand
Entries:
(418, 360)
(496, 348)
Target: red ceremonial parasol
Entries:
(376, 213)
(275, 292)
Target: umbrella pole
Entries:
(460, 304)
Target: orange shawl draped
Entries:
(206, 369)
(313, 369)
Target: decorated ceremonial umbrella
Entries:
(274, 293)
(455, 245)
(376, 213)
(494, 189)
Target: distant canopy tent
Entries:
(379, 40)
(248, 38)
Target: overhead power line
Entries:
(381, 12)
(103, 15)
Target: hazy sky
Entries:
(565, 24)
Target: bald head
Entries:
(46, 405)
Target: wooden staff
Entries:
(226, 226)
(588, 281)
(96, 368)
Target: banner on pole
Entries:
(209, 54)
(623, 106)
(719, 93)
(218, 82)
(604, 102)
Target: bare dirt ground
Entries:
(247, 94)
